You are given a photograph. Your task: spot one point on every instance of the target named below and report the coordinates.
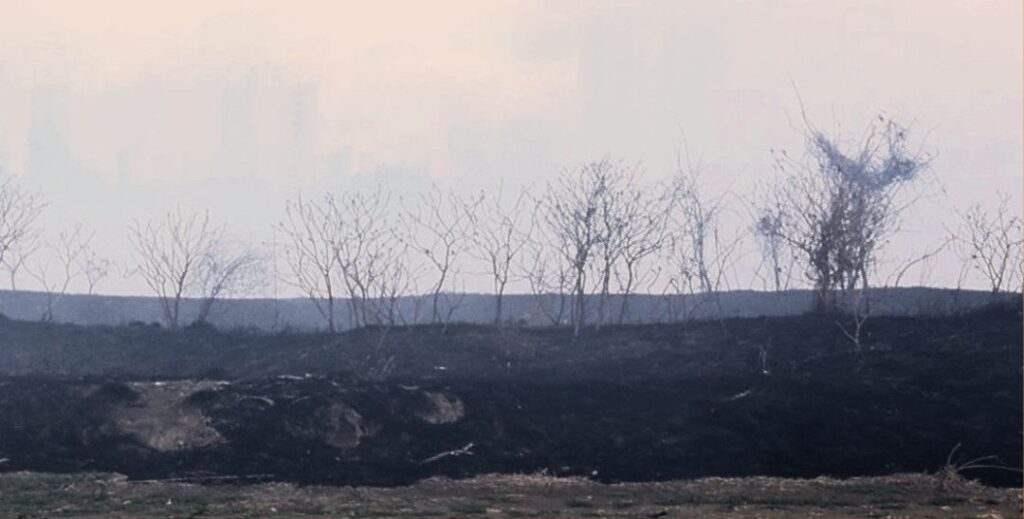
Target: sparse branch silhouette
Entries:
(571, 211)
(95, 268)
(700, 250)
(170, 252)
(992, 243)
(20, 209)
(775, 255)
(498, 234)
(436, 233)
(644, 230)
(225, 272)
(66, 262)
(349, 246)
(372, 258)
(313, 231)
(545, 273)
(584, 246)
(18, 255)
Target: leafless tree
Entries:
(633, 220)
(896, 277)
(17, 256)
(64, 265)
(372, 258)
(497, 234)
(838, 208)
(644, 232)
(19, 210)
(701, 251)
(349, 246)
(571, 212)
(859, 312)
(313, 230)
(170, 253)
(393, 282)
(682, 285)
(604, 222)
(95, 268)
(618, 199)
(225, 273)
(548, 277)
(991, 243)
(776, 256)
(436, 233)
(614, 194)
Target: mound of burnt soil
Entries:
(779, 396)
(340, 431)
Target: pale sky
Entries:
(124, 109)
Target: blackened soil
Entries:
(627, 403)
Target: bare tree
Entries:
(349, 246)
(701, 251)
(991, 243)
(388, 277)
(837, 209)
(393, 281)
(603, 222)
(775, 254)
(19, 210)
(17, 256)
(314, 230)
(619, 202)
(497, 234)
(58, 270)
(94, 268)
(386, 274)
(859, 312)
(682, 284)
(633, 220)
(169, 256)
(571, 211)
(644, 233)
(901, 270)
(372, 258)
(435, 231)
(226, 273)
(548, 277)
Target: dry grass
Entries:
(27, 495)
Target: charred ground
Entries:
(780, 396)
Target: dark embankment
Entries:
(625, 403)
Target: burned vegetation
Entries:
(624, 363)
(771, 396)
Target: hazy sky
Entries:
(123, 109)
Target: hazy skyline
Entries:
(119, 110)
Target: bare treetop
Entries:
(498, 233)
(992, 243)
(19, 210)
(169, 254)
(313, 230)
